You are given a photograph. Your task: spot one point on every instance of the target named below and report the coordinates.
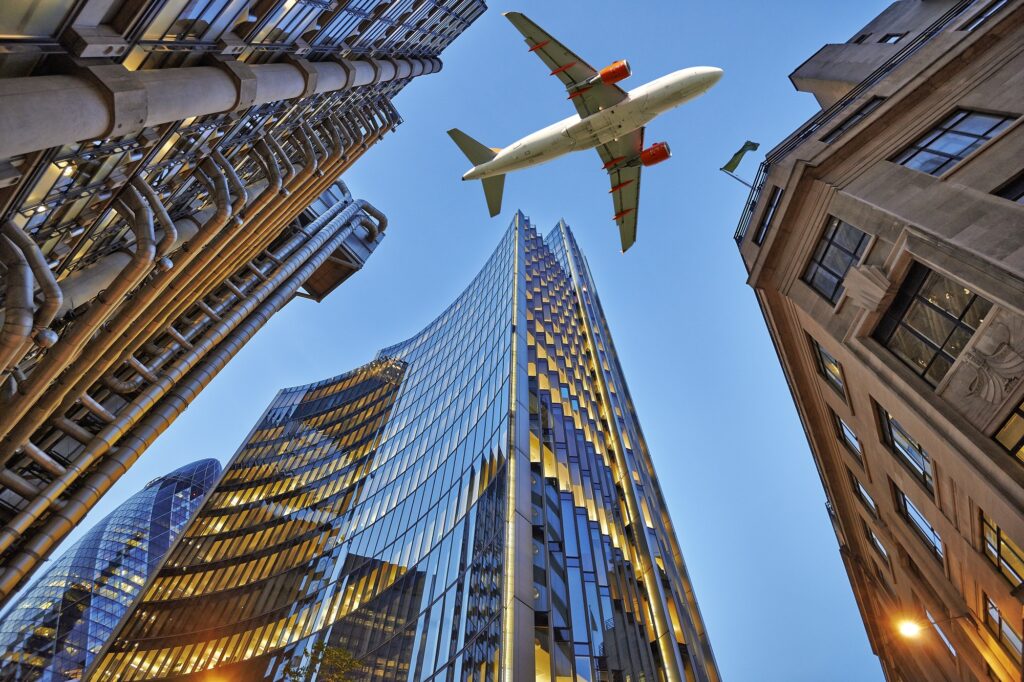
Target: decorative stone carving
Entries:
(989, 370)
(866, 286)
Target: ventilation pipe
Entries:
(18, 312)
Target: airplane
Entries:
(608, 118)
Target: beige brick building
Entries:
(885, 242)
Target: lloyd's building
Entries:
(477, 503)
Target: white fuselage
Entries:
(573, 134)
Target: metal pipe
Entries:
(52, 294)
(237, 186)
(37, 455)
(170, 232)
(18, 303)
(324, 241)
(40, 112)
(67, 350)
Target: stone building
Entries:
(158, 161)
(884, 240)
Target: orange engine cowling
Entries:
(656, 153)
(615, 72)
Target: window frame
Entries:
(923, 474)
(774, 199)
(1012, 189)
(1014, 418)
(892, 38)
(862, 494)
(895, 317)
(876, 543)
(862, 112)
(984, 15)
(819, 351)
(919, 523)
(843, 429)
(948, 126)
(996, 628)
(995, 553)
(828, 245)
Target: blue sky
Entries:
(711, 397)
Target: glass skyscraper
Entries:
(476, 504)
(53, 632)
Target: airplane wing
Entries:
(569, 68)
(625, 179)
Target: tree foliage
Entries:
(323, 663)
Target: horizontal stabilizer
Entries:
(474, 151)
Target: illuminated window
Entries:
(1001, 629)
(829, 367)
(1004, 554)
(951, 141)
(930, 322)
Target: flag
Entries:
(734, 162)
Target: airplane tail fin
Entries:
(477, 154)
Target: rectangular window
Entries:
(829, 367)
(1013, 190)
(769, 214)
(951, 141)
(983, 16)
(848, 435)
(940, 633)
(840, 247)
(1002, 630)
(930, 322)
(1011, 435)
(853, 119)
(918, 522)
(892, 38)
(862, 493)
(1004, 554)
(909, 450)
(876, 543)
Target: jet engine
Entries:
(615, 72)
(656, 153)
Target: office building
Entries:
(158, 159)
(884, 240)
(56, 628)
(476, 503)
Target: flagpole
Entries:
(736, 178)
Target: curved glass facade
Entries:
(56, 629)
(475, 504)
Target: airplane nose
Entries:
(710, 75)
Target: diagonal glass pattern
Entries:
(479, 489)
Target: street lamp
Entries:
(909, 629)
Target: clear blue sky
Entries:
(722, 428)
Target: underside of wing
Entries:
(620, 159)
(572, 71)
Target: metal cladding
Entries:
(168, 181)
(477, 503)
(59, 625)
